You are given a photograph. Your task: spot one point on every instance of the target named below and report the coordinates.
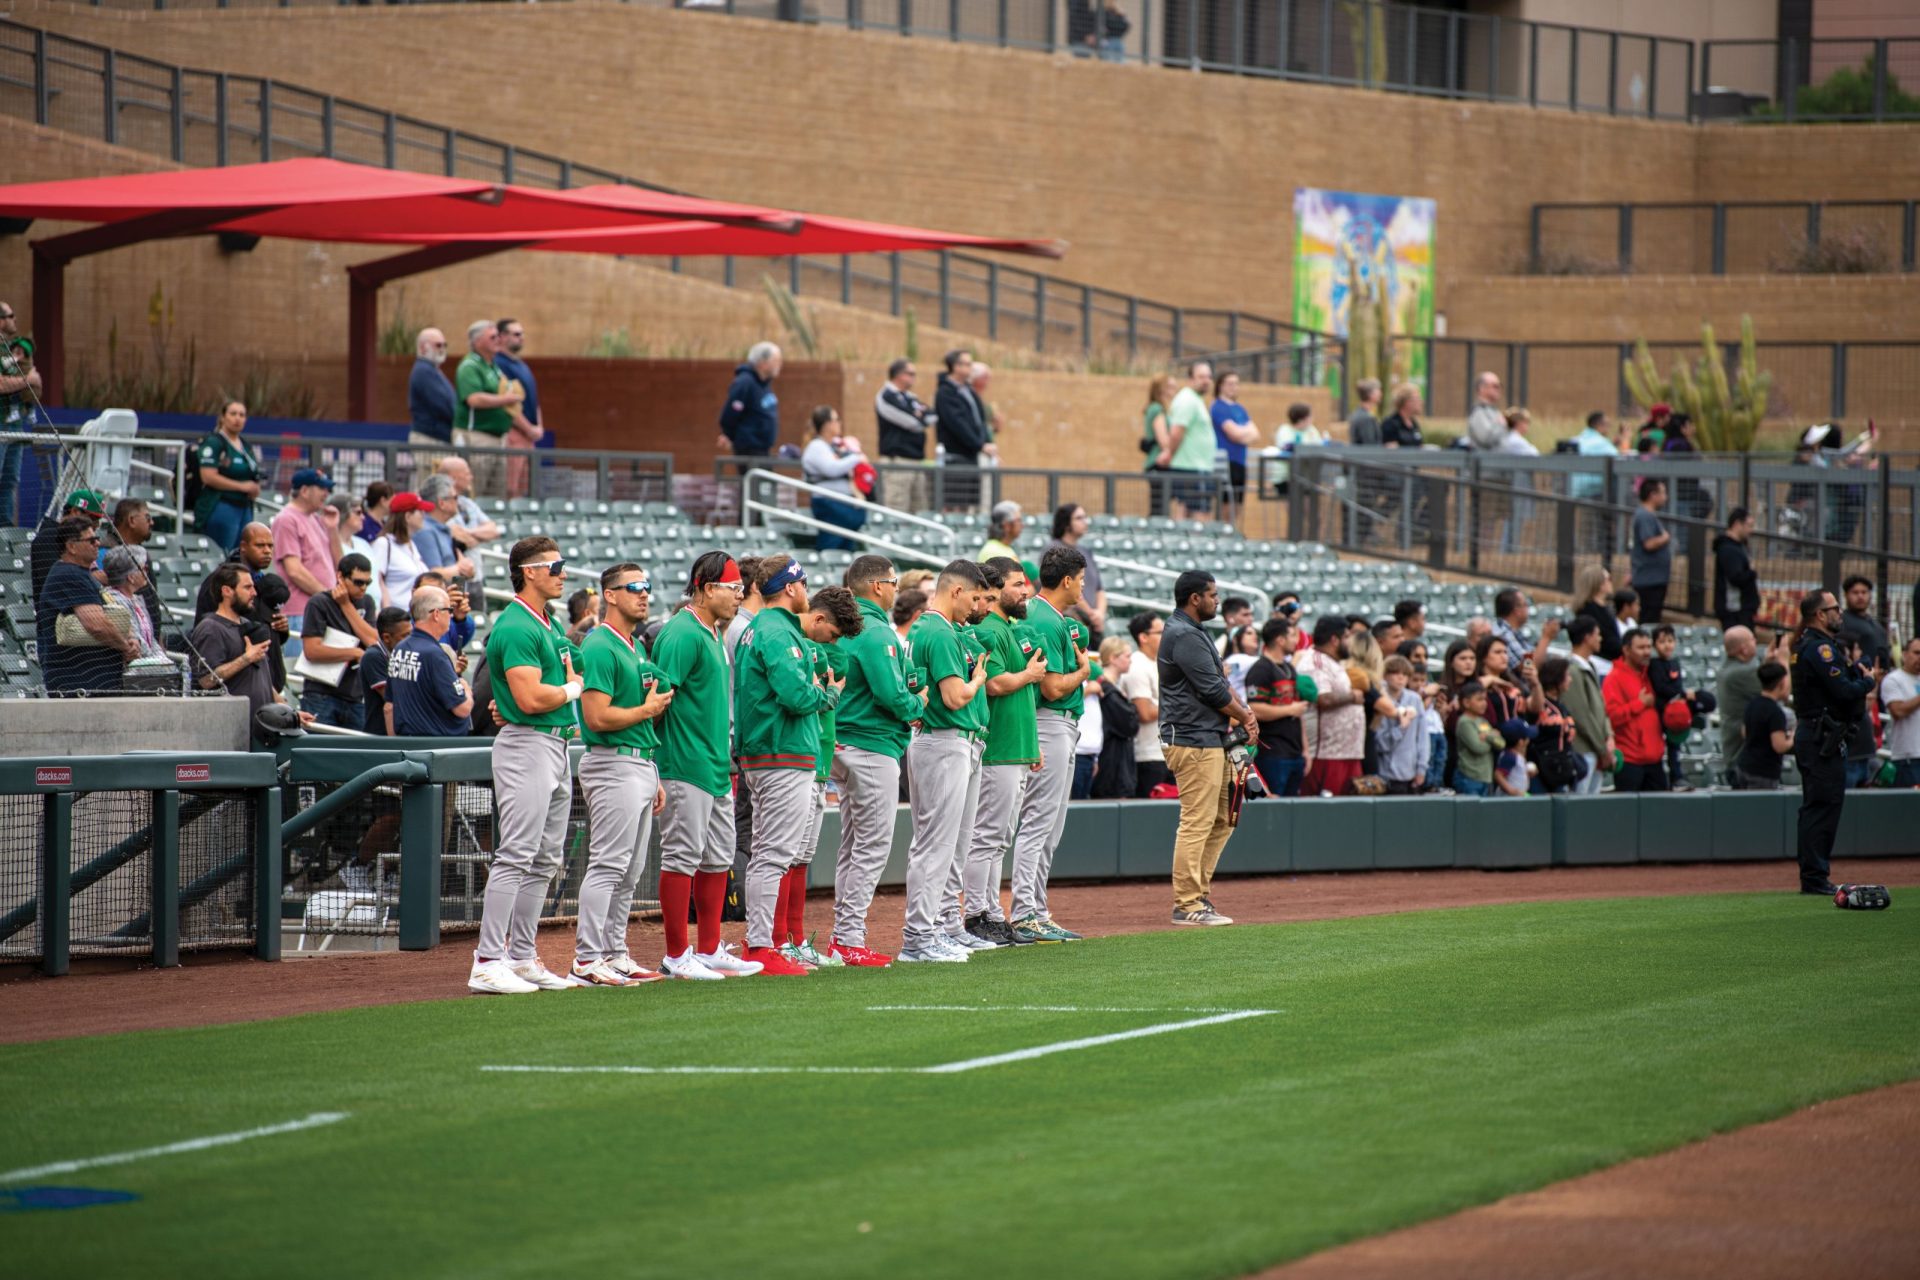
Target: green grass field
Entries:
(1411, 1065)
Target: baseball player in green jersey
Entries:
(777, 706)
(790, 919)
(1012, 753)
(1043, 805)
(623, 697)
(953, 897)
(534, 689)
(696, 763)
(944, 761)
(871, 723)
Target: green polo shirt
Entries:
(940, 652)
(475, 374)
(1012, 737)
(1058, 636)
(520, 637)
(877, 704)
(696, 734)
(233, 462)
(612, 665)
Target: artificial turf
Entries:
(1415, 1064)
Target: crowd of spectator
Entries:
(490, 404)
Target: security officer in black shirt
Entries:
(1829, 696)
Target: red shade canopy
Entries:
(318, 199)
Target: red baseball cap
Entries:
(405, 502)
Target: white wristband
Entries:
(572, 689)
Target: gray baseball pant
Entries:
(954, 900)
(869, 797)
(783, 809)
(945, 767)
(532, 793)
(812, 845)
(696, 831)
(1043, 814)
(619, 791)
(1001, 786)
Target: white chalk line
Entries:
(939, 1069)
(1056, 1008)
(314, 1121)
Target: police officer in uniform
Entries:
(1829, 696)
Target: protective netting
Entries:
(20, 836)
(217, 860)
(112, 872)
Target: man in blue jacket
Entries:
(750, 420)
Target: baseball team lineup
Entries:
(729, 722)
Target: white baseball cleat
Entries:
(497, 978)
(688, 965)
(539, 975)
(726, 964)
(597, 974)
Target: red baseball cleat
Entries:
(860, 957)
(772, 963)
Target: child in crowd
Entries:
(1768, 735)
(1513, 772)
(1399, 737)
(1475, 743)
(1670, 686)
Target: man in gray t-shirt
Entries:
(1651, 552)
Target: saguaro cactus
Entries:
(1727, 411)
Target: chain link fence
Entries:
(20, 867)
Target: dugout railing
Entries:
(142, 856)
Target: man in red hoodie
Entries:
(1633, 710)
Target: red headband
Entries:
(729, 574)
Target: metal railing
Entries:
(211, 118)
(1532, 521)
(1812, 381)
(1722, 237)
(1395, 47)
(1794, 79)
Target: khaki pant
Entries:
(1205, 778)
(489, 469)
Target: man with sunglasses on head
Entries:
(343, 609)
(625, 696)
(534, 689)
(778, 702)
(696, 764)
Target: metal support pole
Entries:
(1533, 65)
(164, 914)
(946, 289)
(266, 121)
(1907, 237)
(109, 86)
(1613, 73)
(1626, 239)
(1039, 311)
(893, 281)
(267, 871)
(56, 882)
(177, 118)
(1839, 390)
(993, 300)
(421, 807)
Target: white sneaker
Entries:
(597, 974)
(539, 975)
(727, 964)
(807, 953)
(630, 969)
(688, 965)
(972, 942)
(933, 951)
(497, 978)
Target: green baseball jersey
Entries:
(877, 704)
(1058, 637)
(940, 652)
(610, 664)
(696, 734)
(975, 646)
(1012, 736)
(777, 703)
(522, 637)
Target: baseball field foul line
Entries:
(314, 1121)
(1056, 1008)
(941, 1069)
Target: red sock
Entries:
(709, 896)
(797, 904)
(780, 908)
(676, 891)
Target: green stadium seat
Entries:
(20, 620)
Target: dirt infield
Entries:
(219, 988)
(1828, 1191)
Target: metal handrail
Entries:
(775, 512)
